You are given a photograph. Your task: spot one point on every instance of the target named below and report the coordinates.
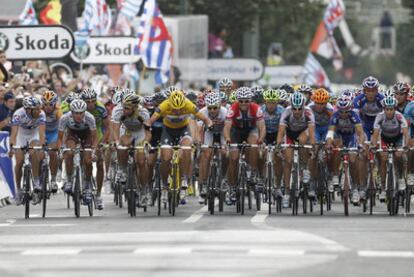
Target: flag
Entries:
(7, 189)
(314, 74)
(97, 18)
(28, 15)
(154, 42)
(51, 14)
(334, 13)
(129, 8)
(324, 43)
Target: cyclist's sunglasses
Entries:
(212, 108)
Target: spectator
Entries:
(6, 111)
(4, 75)
(2, 92)
(216, 43)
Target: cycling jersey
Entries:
(345, 127)
(409, 116)
(368, 111)
(321, 121)
(176, 119)
(65, 107)
(100, 115)
(218, 121)
(247, 119)
(272, 120)
(390, 128)
(131, 123)
(25, 121)
(67, 122)
(297, 124)
(52, 119)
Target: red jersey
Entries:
(246, 119)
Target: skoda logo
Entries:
(4, 42)
(82, 51)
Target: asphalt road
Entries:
(194, 243)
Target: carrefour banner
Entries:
(6, 168)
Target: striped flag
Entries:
(334, 13)
(154, 42)
(129, 8)
(314, 74)
(28, 15)
(97, 18)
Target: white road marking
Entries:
(261, 215)
(386, 254)
(37, 225)
(163, 251)
(276, 252)
(197, 215)
(52, 251)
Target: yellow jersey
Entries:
(176, 118)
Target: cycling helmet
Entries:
(131, 100)
(232, 97)
(49, 97)
(170, 90)
(401, 87)
(158, 98)
(223, 97)
(271, 95)
(78, 106)
(305, 89)
(148, 102)
(117, 98)
(243, 93)
(370, 82)
(192, 96)
(213, 99)
(389, 101)
(320, 96)
(388, 93)
(225, 83)
(348, 93)
(70, 97)
(287, 88)
(344, 103)
(88, 93)
(297, 100)
(257, 94)
(125, 92)
(31, 102)
(283, 95)
(177, 99)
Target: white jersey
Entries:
(118, 108)
(25, 121)
(218, 121)
(131, 123)
(67, 122)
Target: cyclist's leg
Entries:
(35, 158)
(185, 159)
(19, 155)
(166, 155)
(253, 153)
(68, 157)
(99, 171)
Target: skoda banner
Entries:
(6, 168)
(36, 42)
(107, 50)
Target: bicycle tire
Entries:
(269, 178)
(26, 196)
(242, 187)
(44, 181)
(408, 199)
(294, 186)
(211, 188)
(132, 208)
(77, 193)
(390, 190)
(305, 198)
(174, 189)
(120, 190)
(91, 205)
(158, 188)
(345, 193)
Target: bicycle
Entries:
(156, 182)
(322, 191)
(44, 179)
(391, 181)
(269, 181)
(214, 183)
(28, 193)
(296, 186)
(371, 182)
(77, 180)
(346, 187)
(174, 177)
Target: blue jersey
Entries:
(368, 110)
(272, 120)
(345, 127)
(409, 116)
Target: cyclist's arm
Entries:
(226, 130)
(262, 130)
(330, 135)
(194, 130)
(360, 133)
(205, 119)
(374, 137)
(106, 124)
(115, 132)
(42, 131)
(155, 116)
(60, 139)
(94, 138)
(13, 135)
(281, 133)
(311, 129)
(405, 136)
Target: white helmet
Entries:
(78, 106)
(212, 99)
(243, 93)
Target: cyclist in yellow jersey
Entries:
(176, 112)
